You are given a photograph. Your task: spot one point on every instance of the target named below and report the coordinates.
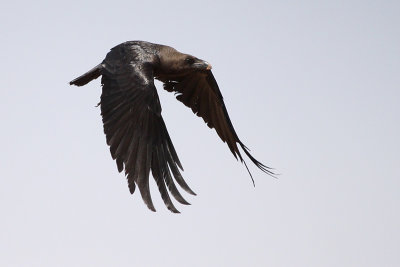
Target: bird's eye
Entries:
(189, 60)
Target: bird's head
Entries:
(173, 62)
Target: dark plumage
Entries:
(131, 111)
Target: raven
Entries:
(131, 113)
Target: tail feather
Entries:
(88, 76)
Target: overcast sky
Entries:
(312, 88)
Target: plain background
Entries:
(312, 88)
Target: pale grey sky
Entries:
(312, 88)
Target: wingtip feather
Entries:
(259, 165)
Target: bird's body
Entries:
(131, 111)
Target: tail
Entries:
(88, 76)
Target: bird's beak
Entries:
(203, 65)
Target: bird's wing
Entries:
(134, 128)
(200, 92)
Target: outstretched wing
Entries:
(134, 128)
(200, 92)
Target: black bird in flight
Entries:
(131, 112)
